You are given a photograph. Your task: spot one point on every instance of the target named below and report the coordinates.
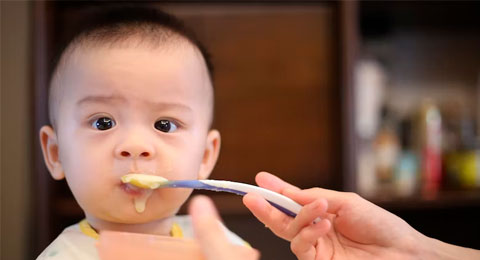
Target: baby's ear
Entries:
(48, 140)
(210, 156)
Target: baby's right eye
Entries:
(103, 123)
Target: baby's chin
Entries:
(158, 206)
(129, 215)
(147, 216)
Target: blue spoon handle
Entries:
(281, 202)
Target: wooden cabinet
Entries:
(277, 102)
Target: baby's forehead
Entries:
(88, 50)
(114, 63)
(92, 52)
(140, 59)
(82, 62)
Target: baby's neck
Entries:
(160, 227)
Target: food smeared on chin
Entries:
(143, 181)
(141, 201)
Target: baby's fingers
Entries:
(304, 245)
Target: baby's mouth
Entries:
(140, 186)
(132, 189)
(140, 196)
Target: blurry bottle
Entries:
(452, 145)
(366, 180)
(462, 166)
(386, 148)
(430, 146)
(406, 173)
(468, 165)
(469, 169)
(370, 80)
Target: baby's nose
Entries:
(134, 154)
(134, 149)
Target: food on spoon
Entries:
(144, 181)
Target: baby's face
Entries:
(132, 110)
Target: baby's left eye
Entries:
(165, 126)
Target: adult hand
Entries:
(351, 227)
(211, 236)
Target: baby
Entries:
(132, 94)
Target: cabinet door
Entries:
(277, 102)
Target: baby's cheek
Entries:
(173, 198)
(181, 194)
(87, 194)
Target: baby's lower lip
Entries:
(132, 190)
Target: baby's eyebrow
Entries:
(119, 99)
(101, 99)
(172, 106)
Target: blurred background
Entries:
(379, 98)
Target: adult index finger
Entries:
(272, 182)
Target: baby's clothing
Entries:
(78, 241)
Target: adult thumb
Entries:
(208, 230)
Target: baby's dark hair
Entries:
(118, 26)
(106, 23)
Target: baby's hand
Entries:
(304, 231)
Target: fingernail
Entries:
(315, 221)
